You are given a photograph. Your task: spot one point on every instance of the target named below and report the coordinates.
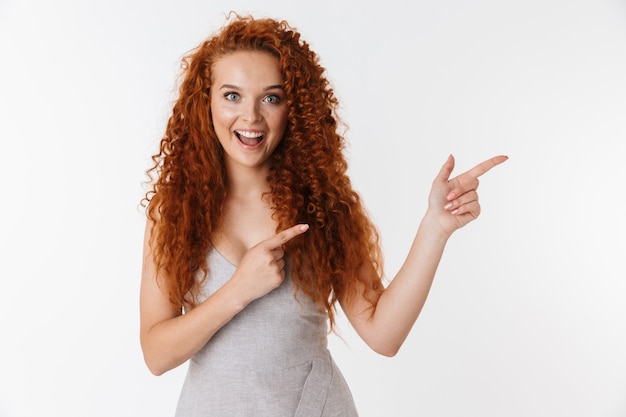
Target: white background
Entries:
(527, 316)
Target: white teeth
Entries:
(249, 134)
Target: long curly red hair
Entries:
(308, 178)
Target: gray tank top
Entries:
(270, 360)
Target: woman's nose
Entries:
(251, 112)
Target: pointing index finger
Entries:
(288, 234)
(485, 166)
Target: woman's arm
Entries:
(451, 205)
(169, 338)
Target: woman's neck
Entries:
(247, 182)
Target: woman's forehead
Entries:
(244, 68)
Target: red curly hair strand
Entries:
(308, 178)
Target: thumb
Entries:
(446, 169)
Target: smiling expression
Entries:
(248, 107)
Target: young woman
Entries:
(254, 234)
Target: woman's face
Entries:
(248, 107)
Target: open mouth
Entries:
(249, 138)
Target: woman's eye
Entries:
(231, 96)
(272, 99)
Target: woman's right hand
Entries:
(262, 267)
(169, 338)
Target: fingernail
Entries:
(455, 211)
(304, 227)
(447, 206)
(451, 196)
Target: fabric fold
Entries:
(316, 386)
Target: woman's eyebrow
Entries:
(234, 87)
(229, 87)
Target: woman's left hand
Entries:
(454, 202)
